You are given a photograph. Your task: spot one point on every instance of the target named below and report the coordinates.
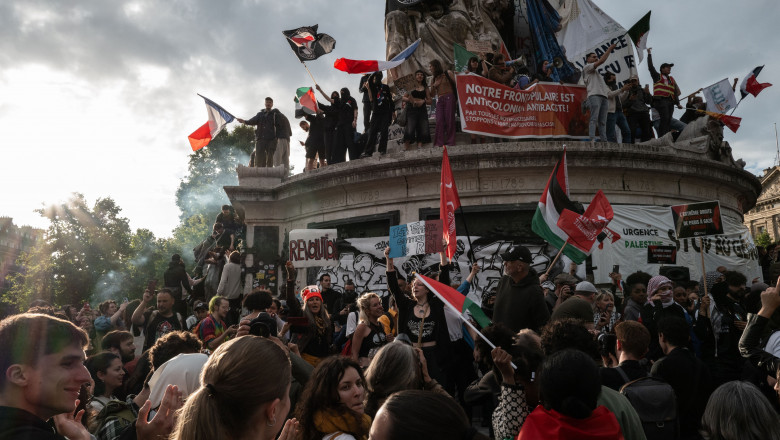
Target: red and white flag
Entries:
(584, 229)
(751, 85)
(448, 203)
(369, 66)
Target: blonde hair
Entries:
(239, 378)
(603, 295)
(364, 302)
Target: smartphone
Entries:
(616, 268)
(151, 285)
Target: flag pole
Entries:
(307, 69)
(555, 260)
(703, 269)
(470, 254)
(460, 315)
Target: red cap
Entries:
(309, 292)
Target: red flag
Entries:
(584, 229)
(448, 203)
(732, 122)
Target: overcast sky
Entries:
(98, 97)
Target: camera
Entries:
(264, 325)
(607, 345)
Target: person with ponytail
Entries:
(236, 402)
(569, 386)
(315, 339)
(331, 407)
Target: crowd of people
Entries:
(628, 113)
(641, 358)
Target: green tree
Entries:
(763, 239)
(211, 168)
(85, 254)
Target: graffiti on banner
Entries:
(362, 261)
(544, 110)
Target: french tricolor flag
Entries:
(751, 85)
(218, 119)
(370, 66)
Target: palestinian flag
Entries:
(751, 85)
(732, 122)
(456, 301)
(554, 200)
(639, 33)
(462, 57)
(305, 102)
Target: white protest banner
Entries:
(313, 247)
(720, 97)
(642, 226)
(592, 30)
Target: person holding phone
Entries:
(604, 315)
(314, 336)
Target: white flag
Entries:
(720, 97)
(589, 29)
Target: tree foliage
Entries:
(763, 239)
(87, 254)
(90, 253)
(211, 168)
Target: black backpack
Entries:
(656, 404)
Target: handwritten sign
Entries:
(479, 46)
(406, 83)
(313, 247)
(423, 237)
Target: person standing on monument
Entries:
(383, 112)
(597, 94)
(416, 101)
(666, 94)
(283, 134)
(265, 133)
(443, 87)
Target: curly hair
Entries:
(568, 333)
(322, 393)
(171, 345)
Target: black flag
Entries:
(308, 44)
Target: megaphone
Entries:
(557, 62)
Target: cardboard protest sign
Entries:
(697, 219)
(479, 46)
(543, 110)
(423, 237)
(313, 247)
(406, 83)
